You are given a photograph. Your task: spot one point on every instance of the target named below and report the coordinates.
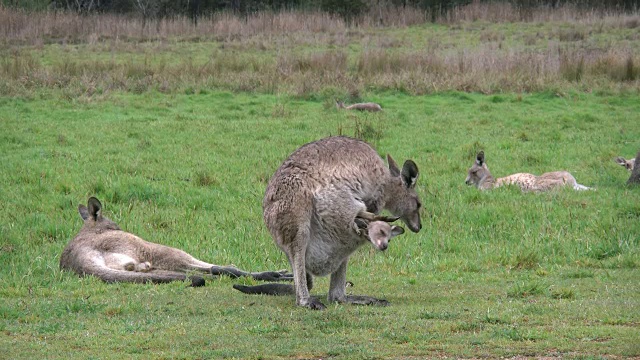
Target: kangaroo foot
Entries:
(281, 275)
(267, 289)
(315, 304)
(363, 300)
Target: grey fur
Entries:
(311, 203)
(103, 250)
(378, 232)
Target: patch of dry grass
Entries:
(474, 48)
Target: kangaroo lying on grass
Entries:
(628, 164)
(103, 250)
(312, 202)
(371, 107)
(480, 176)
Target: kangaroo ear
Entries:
(410, 173)
(393, 167)
(84, 212)
(480, 158)
(396, 230)
(94, 208)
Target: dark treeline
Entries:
(346, 8)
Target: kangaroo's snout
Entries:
(413, 224)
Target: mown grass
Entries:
(491, 274)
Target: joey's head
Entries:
(628, 164)
(479, 172)
(92, 216)
(401, 198)
(380, 233)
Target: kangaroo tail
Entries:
(267, 289)
(109, 275)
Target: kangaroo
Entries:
(628, 164)
(378, 232)
(366, 225)
(313, 199)
(480, 176)
(103, 250)
(371, 107)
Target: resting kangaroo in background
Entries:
(372, 107)
(103, 250)
(312, 201)
(628, 164)
(480, 176)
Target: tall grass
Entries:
(476, 48)
(18, 25)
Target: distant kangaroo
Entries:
(103, 250)
(480, 176)
(628, 164)
(371, 107)
(312, 202)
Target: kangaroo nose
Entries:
(383, 247)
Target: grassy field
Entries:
(177, 134)
(497, 273)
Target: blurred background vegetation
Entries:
(194, 9)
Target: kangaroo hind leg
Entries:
(337, 290)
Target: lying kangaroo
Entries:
(628, 164)
(480, 176)
(102, 249)
(366, 226)
(313, 199)
(371, 107)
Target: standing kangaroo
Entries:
(103, 250)
(371, 107)
(377, 232)
(312, 202)
(480, 176)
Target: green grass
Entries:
(493, 274)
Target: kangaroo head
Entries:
(629, 164)
(93, 215)
(401, 197)
(380, 233)
(478, 172)
(339, 104)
